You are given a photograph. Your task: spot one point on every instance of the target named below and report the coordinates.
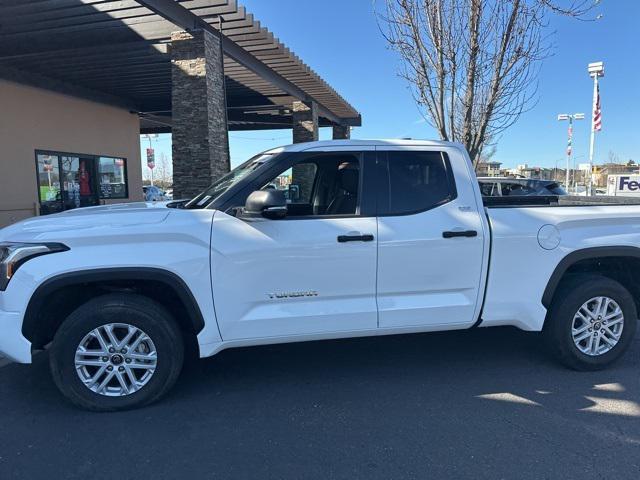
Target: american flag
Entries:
(597, 114)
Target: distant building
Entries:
(619, 169)
(536, 173)
(488, 169)
(584, 167)
(577, 176)
(602, 172)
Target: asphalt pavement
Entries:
(474, 404)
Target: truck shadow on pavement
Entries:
(478, 404)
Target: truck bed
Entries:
(528, 242)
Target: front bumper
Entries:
(12, 344)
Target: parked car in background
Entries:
(509, 187)
(153, 194)
(582, 191)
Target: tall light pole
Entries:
(571, 118)
(596, 70)
(150, 163)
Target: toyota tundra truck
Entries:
(311, 241)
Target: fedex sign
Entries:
(623, 185)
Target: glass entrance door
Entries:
(79, 182)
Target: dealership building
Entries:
(81, 80)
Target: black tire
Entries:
(139, 311)
(571, 295)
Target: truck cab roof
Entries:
(329, 144)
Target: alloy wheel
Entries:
(115, 359)
(597, 326)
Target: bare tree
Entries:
(164, 173)
(473, 64)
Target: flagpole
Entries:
(593, 132)
(595, 70)
(571, 118)
(569, 148)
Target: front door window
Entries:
(321, 186)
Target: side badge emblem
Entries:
(307, 293)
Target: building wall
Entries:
(34, 119)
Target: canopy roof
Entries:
(117, 52)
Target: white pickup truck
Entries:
(306, 242)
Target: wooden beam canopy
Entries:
(117, 51)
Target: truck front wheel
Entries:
(116, 352)
(591, 322)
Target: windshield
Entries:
(229, 180)
(556, 189)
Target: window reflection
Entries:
(67, 181)
(49, 184)
(79, 182)
(112, 173)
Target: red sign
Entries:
(151, 159)
(47, 165)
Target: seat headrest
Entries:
(349, 177)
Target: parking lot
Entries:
(472, 404)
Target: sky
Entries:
(340, 40)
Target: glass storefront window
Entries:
(49, 184)
(78, 175)
(67, 181)
(112, 174)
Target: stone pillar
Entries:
(341, 132)
(305, 122)
(305, 129)
(199, 132)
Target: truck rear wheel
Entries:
(591, 322)
(116, 352)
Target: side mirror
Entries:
(267, 203)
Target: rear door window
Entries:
(416, 181)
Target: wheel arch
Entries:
(39, 326)
(584, 256)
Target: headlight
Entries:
(12, 255)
